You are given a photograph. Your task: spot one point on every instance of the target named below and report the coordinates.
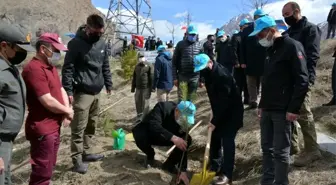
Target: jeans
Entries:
(275, 144)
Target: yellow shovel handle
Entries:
(207, 149)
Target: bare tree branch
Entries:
(171, 29)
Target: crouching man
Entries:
(227, 108)
(163, 127)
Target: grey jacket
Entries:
(12, 100)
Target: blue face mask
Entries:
(192, 38)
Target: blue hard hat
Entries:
(188, 110)
(220, 33)
(260, 12)
(235, 32)
(192, 29)
(243, 22)
(262, 23)
(200, 62)
(161, 48)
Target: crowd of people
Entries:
(257, 58)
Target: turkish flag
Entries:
(139, 40)
(183, 28)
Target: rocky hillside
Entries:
(55, 15)
(233, 24)
(324, 28)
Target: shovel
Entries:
(206, 176)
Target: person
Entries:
(48, 106)
(163, 127)
(223, 51)
(147, 43)
(142, 85)
(309, 35)
(13, 51)
(85, 71)
(279, 104)
(163, 75)
(170, 44)
(208, 46)
(252, 58)
(331, 22)
(183, 69)
(152, 44)
(332, 102)
(227, 115)
(158, 43)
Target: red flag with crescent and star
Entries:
(139, 40)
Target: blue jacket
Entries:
(163, 74)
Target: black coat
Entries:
(235, 48)
(332, 17)
(223, 51)
(310, 37)
(252, 53)
(209, 49)
(285, 82)
(226, 102)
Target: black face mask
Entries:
(290, 20)
(19, 57)
(212, 40)
(94, 38)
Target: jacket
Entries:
(332, 17)
(225, 100)
(223, 51)
(209, 49)
(86, 66)
(158, 43)
(235, 48)
(161, 122)
(252, 53)
(310, 36)
(285, 82)
(142, 76)
(183, 57)
(12, 101)
(163, 74)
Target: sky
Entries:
(207, 15)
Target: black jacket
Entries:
(142, 76)
(332, 17)
(310, 36)
(226, 102)
(223, 51)
(285, 82)
(158, 43)
(160, 122)
(235, 48)
(209, 49)
(183, 58)
(252, 53)
(86, 66)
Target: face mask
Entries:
(223, 39)
(142, 59)
(56, 57)
(192, 38)
(212, 40)
(93, 37)
(265, 42)
(19, 57)
(290, 20)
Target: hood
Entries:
(166, 55)
(81, 33)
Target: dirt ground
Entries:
(124, 167)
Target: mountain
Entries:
(324, 28)
(233, 24)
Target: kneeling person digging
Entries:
(163, 126)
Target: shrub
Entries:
(128, 62)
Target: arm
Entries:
(234, 50)
(107, 72)
(157, 69)
(133, 82)
(312, 50)
(300, 73)
(68, 68)
(65, 98)
(242, 50)
(176, 60)
(155, 118)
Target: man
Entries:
(48, 106)
(223, 51)
(147, 44)
(85, 71)
(309, 35)
(208, 46)
(332, 102)
(163, 127)
(163, 75)
(183, 69)
(332, 22)
(239, 73)
(152, 44)
(158, 43)
(13, 51)
(170, 44)
(228, 111)
(279, 104)
(142, 85)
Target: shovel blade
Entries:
(202, 178)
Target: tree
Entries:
(171, 28)
(256, 4)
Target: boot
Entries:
(92, 157)
(307, 158)
(80, 168)
(331, 103)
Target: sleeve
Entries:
(300, 73)
(36, 80)
(176, 60)
(107, 71)
(155, 118)
(243, 50)
(312, 50)
(133, 81)
(234, 50)
(150, 76)
(157, 69)
(69, 67)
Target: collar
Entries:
(301, 23)
(278, 42)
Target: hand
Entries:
(184, 178)
(201, 85)
(69, 113)
(259, 112)
(237, 66)
(176, 83)
(2, 166)
(243, 66)
(66, 122)
(212, 127)
(291, 117)
(71, 99)
(108, 92)
(179, 143)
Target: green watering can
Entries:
(119, 139)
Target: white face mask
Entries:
(265, 42)
(142, 59)
(56, 57)
(223, 39)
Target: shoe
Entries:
(253, 105)
(80, 168)
(222, 180)
(92, 157)
(307, 158)
(331, 103)
(169, 168)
